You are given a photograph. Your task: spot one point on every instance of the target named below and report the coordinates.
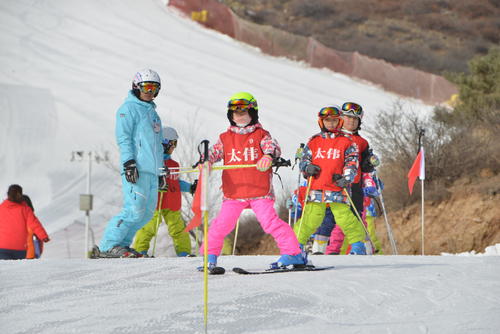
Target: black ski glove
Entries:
(340, 181)
(193, 187)
(162, 183)
(312, 170)
(131, 172)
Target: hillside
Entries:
(433, 36)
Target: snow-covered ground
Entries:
(370, 294)
(66, 66)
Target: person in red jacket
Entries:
(16, 217)
(330, 162)
(246, 143)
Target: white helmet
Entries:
(169, 134)
(146, 75)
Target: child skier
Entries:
(352, 115)
(246, 142)
(332, 161)
(169, 204)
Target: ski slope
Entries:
(66, 66)
(363, 294)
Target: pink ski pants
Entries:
(263, 208)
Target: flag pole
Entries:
(422, 178)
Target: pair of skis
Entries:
(241, 271)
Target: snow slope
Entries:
(370, 294)
(66, 66)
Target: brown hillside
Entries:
(431, 35)
(468, 220)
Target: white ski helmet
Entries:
(169, 134)
(146, 75)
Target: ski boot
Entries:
(297, 261)
(358, 248)
(213, 269)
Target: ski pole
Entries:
(298, 156)
(158, 221)
(204, 173)
(359, 218)
(309, 181)
(236, 235)
(195, 170)
(388, 227)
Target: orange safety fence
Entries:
(402, 80)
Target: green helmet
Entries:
(244, 98)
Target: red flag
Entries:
(196, 207)
(417, 170)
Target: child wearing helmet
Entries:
(139, 138)
(330, 162)
(246, 142)
(169, 204)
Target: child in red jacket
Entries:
(15, 219)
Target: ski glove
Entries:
(46, 239)
(369, 162)
(162, 183)
(193, 187)
(341, 181)
(312, 170)
(264, 163)
(131, 172)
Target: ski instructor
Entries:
(139, 137)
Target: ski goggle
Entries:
(147, 87)
(329, 111)
(352, 109)
(240, 105)
(170, 143)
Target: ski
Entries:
(280, 270)
(213, 270)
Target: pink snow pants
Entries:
(263, 208)
(336, 240)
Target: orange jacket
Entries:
(15, 219)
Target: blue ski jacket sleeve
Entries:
(139, 135)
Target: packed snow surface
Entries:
(363, 294)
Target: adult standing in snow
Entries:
(139, 137)
(16, 217)
(169, 204)
(246, 142)
(330, 160)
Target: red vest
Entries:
(362, 146)
(328, 154)
(172, 198)
(244, 149)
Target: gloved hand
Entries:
(162, 183)
(312, 170)
(369, 162)
(46, 239)
(264, 163)
(193, 187)
(289, 203)
(341, 181)
(370, 191)
(131, 172)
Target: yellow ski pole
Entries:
(236, 235)
(158, 222)
(359, 218)
(309, 181)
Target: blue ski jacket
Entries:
(139, 135)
